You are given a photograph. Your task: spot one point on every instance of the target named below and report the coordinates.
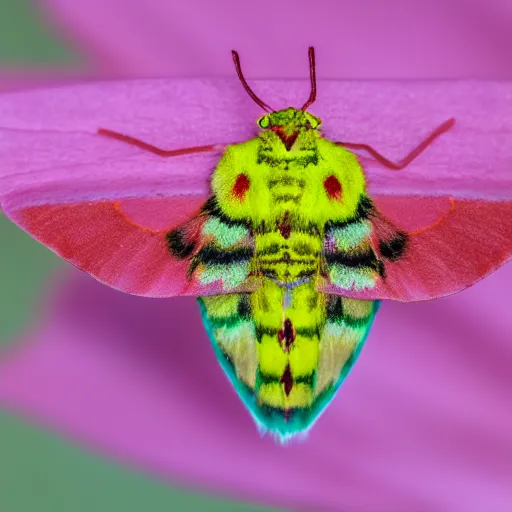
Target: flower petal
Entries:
(371, 39)
(422, 422)
(50, 136)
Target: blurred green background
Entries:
(38, 470)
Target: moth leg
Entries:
(158, 151)
(396, 166)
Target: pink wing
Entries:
(122, 243)
(105, 206)
(443, 245)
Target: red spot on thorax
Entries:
(333, 188)
(287, 333)
(241, 186)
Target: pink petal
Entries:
(371, 39)
(423, 423)
(51, 147)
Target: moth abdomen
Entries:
(288, 358)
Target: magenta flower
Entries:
(423, 422)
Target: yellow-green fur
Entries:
(286, 208)
(314, 204)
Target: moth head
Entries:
(290, 121)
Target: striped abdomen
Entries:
(286, 351)
(288, 252)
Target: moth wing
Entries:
(105, 206)
(51, 155)
(454, 201)
(458, 243)
(123, 243)
(430, 247)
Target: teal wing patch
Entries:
(350, 261)
(357, 252)
(217, 248)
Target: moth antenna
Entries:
(312, 76)
(236, 60)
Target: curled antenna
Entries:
(312, 76)
(236, 60)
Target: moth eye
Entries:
(264, 122)
(333, 188)
(312, 121)
(241, 186)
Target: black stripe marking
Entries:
(286, 258)
(365, 208)
(209, 254)
(285, 198)
(308, 332)
(394, 248)
(271, 379)
(302, 274)
(225, 321)
(305, 332)
(262, 331)
(287, 181)
(336, 314)
(300, 161)
(211, 207)
(352, 321)
(359, 260)
(270, 249)
(244, 307)
(304, 249)
(243, 314)
(268, 272)
(334, 308)
(178, 245)
(297, 227)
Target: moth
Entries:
(289, 256)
